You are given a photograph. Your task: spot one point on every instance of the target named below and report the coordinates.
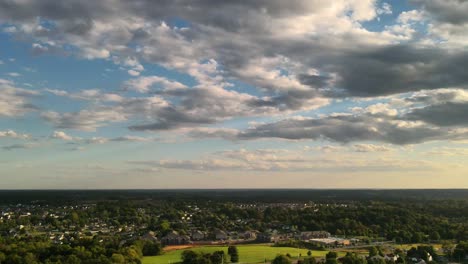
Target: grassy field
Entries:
(247, 253)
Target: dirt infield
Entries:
(177, 247)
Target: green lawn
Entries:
(247, 253)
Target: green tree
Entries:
(435, 236)
(190, 257)
(117, 258)
(281, 259)
(233, 253)
(151, 249)
(353, 258)
(30, 258)
(307, 261)
(330, 258)
(373, 251)
(73, 259)
(218, 257)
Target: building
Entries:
(391, 257)
(268, 237)
(314, 234)
(220, 235)
(173, 238)
(250, 235)
(150, 236)
(198, 235)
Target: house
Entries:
(391, 257)
(314, 234)
(220, 235)
(173, 238)
(268, 237)
(150, 236)
(429, 257)
(198, 235)
(250, 234)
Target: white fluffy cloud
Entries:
(13, 134)
(270, 59)
(62, 135)
(144, 84)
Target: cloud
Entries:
(370, 148)
(272, 59)
(86, 120)
(88, 95)
(447, 114)
(19, 146)
(133, 72)
(398, 69)
(448, 152)
(385, 9)
(62, 135)
(144, 84)
(281, 160)
(132, 139)
(13, 74)
(15, 101)
(349, 128)
(439, 96)
(13, 134)
(448, 11)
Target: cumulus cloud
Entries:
(143, 84)
(13, 134)
(448, 114)
(270, 59)
(62, 135)
(15, 101)
(248, 46)
(88, 95)
(349, 128)
(86, 120)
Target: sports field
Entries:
(247, 253)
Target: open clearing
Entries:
(247, 253)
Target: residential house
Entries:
(250, 234)
(150, 236)
(220, 235)
(268, 237)
(173, 238)
(391, 257)
(198, 235)
(314, 234)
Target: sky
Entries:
(139, 94)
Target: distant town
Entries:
(130, 229)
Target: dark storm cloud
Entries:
(314, 80)
(447, 114)
(399, 69)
